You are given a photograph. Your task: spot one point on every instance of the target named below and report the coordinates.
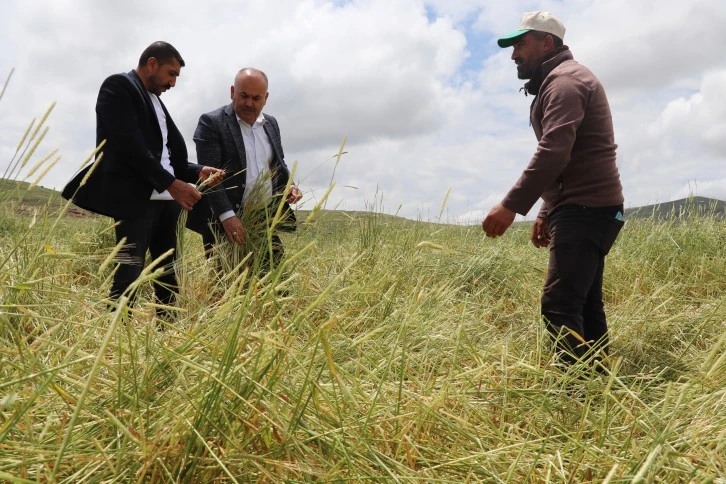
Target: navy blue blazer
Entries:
(121, 183)
(219, 143)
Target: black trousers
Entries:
(154, 230)
(572, 296)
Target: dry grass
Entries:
(383, 349)
(401, 351)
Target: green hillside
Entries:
(19, 191)
(699, 206)
(683, 208)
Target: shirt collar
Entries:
(259, 121)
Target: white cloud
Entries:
(682, 148)
(388, 75)
(649, 44)
(711, 189)
(698, 120)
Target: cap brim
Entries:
(511, 39)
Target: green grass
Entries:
(382, 350)
(19, 192)
(400, 351)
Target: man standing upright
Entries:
(574, 171)
(246, 143)
(141, 176)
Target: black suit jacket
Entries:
(219, 143)
(121, 183)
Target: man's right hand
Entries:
(184, 194)
(236, 233)
(541, 233)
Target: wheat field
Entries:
(383, 349)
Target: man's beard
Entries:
(157, 87)
(524, 71)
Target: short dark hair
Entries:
(539, 35)
(164, 52)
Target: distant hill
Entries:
(18, 190)
(683, 208)
(346, 216)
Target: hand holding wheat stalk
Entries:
(210, 177)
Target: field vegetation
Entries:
(383, 349)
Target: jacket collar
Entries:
(274, 140)
(556, 58)
(139, 85)
(233, 126)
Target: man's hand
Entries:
(185, 194)
(541, 233)
(295, 194)
(236, 233)
(498, 221)
(211, 177)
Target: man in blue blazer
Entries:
(141, 175)
(246, 143)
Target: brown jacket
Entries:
(575, 159)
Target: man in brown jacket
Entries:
(574, 171)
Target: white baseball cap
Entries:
(540, 21)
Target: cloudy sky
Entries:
(426, 99)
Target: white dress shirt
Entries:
(258, 154)
(165, 159)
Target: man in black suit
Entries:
(246, 143)
(141, 175)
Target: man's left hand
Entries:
(295, 194)
(498, 221)
(210, 176)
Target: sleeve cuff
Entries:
(226, 215)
